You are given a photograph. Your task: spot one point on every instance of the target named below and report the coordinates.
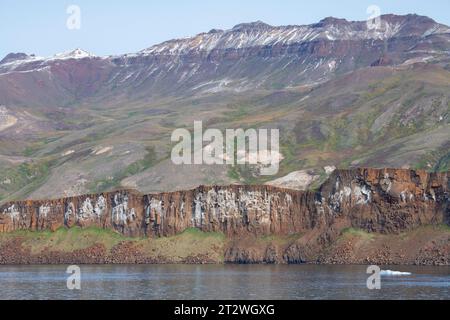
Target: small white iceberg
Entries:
(394, 273)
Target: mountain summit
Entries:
(11, 57)
(247, 56)
(261, 34)
(252, 26)
(74, 54)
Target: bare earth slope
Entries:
(341, 95)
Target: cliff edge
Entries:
(356, 216)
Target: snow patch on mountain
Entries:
(31, 63)
(74, 54)
(259, 34)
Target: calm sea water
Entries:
(221, 282)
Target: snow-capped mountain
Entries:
(74, 54)
(259, 34)
(249, 56)
(23, 62)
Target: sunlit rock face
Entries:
(118, 211)
(384, 201)
(388, 200)
(233, 210)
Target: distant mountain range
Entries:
(342, 94)
(249, 56)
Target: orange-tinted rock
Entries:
(384, 201)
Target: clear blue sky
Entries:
(116, 27)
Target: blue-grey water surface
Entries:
(221, 282)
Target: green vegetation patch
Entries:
(444, 227)
(192, 242)
(25, 177)
(354, 232)
(69, 240)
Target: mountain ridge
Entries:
(403, 21)
(79, 123)
(234, 60)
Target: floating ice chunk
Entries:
(394, 273)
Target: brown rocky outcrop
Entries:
(383, 201)
(389, 200)
(377, 201)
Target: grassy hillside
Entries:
(378, 117)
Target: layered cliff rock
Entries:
(384, 201)
(390, 200)
(397, 217)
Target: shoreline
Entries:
(424, 246)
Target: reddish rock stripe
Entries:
(375, 200)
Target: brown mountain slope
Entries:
(340, 94)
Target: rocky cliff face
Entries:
(381, 201)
